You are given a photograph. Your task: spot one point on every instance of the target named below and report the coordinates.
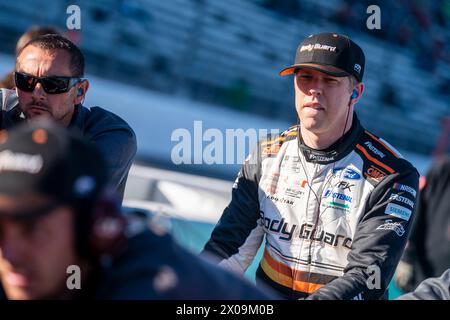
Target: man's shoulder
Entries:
(8, 99)
(97, 119)
(286, 135)
(102, 116)
(271, 144)
(380, 156)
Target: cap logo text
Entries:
(22, 162)
(317, 46)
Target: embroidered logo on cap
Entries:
(22, 162)
(317, 46)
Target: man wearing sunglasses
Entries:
(49, 82)
(33, 32)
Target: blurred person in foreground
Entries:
(427, 253)
(49, 82)
(33, 32)
(333, 201)
(56, 218)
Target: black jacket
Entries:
(428, 249)
(154, 266)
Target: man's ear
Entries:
(359, 89)
(81, 90)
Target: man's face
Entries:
(39, 62)
(35, 254)
(322, 101)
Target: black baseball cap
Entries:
(338, 52)
(41, 157)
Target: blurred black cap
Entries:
(41, 157)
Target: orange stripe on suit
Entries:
(282, 274)
(378, 162)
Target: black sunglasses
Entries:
(51, 85)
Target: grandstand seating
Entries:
(202, 48)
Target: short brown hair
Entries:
(32, 33)
(58, 42)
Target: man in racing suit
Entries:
(333, 201)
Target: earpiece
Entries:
(354, 94)
(80, 92)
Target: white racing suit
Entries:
(335, 221)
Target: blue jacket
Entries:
(111, 134)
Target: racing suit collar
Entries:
(337, 150)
